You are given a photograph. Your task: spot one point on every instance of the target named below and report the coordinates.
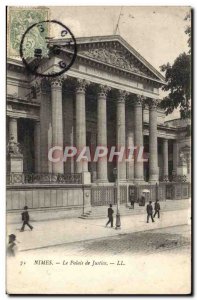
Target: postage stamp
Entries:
(37, 44)
(19, 21)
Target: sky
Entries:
(156, 32)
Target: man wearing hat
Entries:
(157, 209)
(11, 245)
(25, 219)
(110, 215)
(149, 210)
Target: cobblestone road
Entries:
(167, 239)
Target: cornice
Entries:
(21, 101)
(93, 62)
(124, 43)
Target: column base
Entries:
(101, 182)
(130, 181)
(154, 178)
(139, 181)
(153, 182)
(123, 181)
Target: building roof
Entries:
(86, 46)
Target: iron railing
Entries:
(105, 195)
(174, 178)
(44, 178)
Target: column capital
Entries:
(153, 103)
(122, 96)
(81, 85)
(56, 82)
(139, 100)
(103, 90)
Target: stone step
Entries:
(101, 211)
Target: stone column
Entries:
(165, 160)
(102, 175)
(43, 95)
(138, 135)
(153, 151)
(175, 156)
(13, 131)
(120, 129)
(57, 123)
(130, 164)
(37, 146)
(82, 165)
(130, 141)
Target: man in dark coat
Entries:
(149, 210)
(142, 200)
(25, 219)
(110, 215)
(157, 209)
(11, 245)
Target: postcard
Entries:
(98, 150)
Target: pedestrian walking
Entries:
(110, 215)
(149, 210)
(25, 219)
(132, 203)
(157, 209)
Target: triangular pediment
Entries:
(114, 52)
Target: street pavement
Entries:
(64, 231)
(157, 261)
(175, 239)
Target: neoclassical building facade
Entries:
(109, 97)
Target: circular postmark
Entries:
(37, 46)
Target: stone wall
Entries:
(43, 196)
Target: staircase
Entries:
(99, 212)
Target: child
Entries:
(25, 219)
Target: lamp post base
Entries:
(118, 223)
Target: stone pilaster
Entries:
(81, 166)
(153, 151)
(138, 135)
(120, 129)
(57, 123)
(102, 175)
(13, 129)
(37, 146)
